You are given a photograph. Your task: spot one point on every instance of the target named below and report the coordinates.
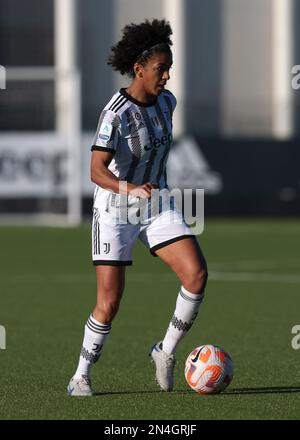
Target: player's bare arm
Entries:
(102, 176)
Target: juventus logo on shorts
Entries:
(106, 248)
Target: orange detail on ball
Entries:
(205, 356)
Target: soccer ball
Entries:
(208, 369)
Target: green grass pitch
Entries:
(47, 290)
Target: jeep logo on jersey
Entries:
(158, 142)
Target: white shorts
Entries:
(113, 240)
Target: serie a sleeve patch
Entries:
(105, 131)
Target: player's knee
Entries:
(203, 279)
(107, 310)
(108, 299)
(195, 281)
(110, 310)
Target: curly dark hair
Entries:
(139, 43)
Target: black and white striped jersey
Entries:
(139, 136)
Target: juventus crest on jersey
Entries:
(139, 135)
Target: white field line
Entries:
(248, 265)
(258, 277)
(254, 277)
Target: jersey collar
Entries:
(135, 101)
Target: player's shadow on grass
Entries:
(262, 390)
(115, 393)
(230, 391)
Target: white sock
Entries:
(187, 306)
(95, 335)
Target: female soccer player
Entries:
(131, 145)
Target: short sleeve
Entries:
(107, 133)
(170, 101)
